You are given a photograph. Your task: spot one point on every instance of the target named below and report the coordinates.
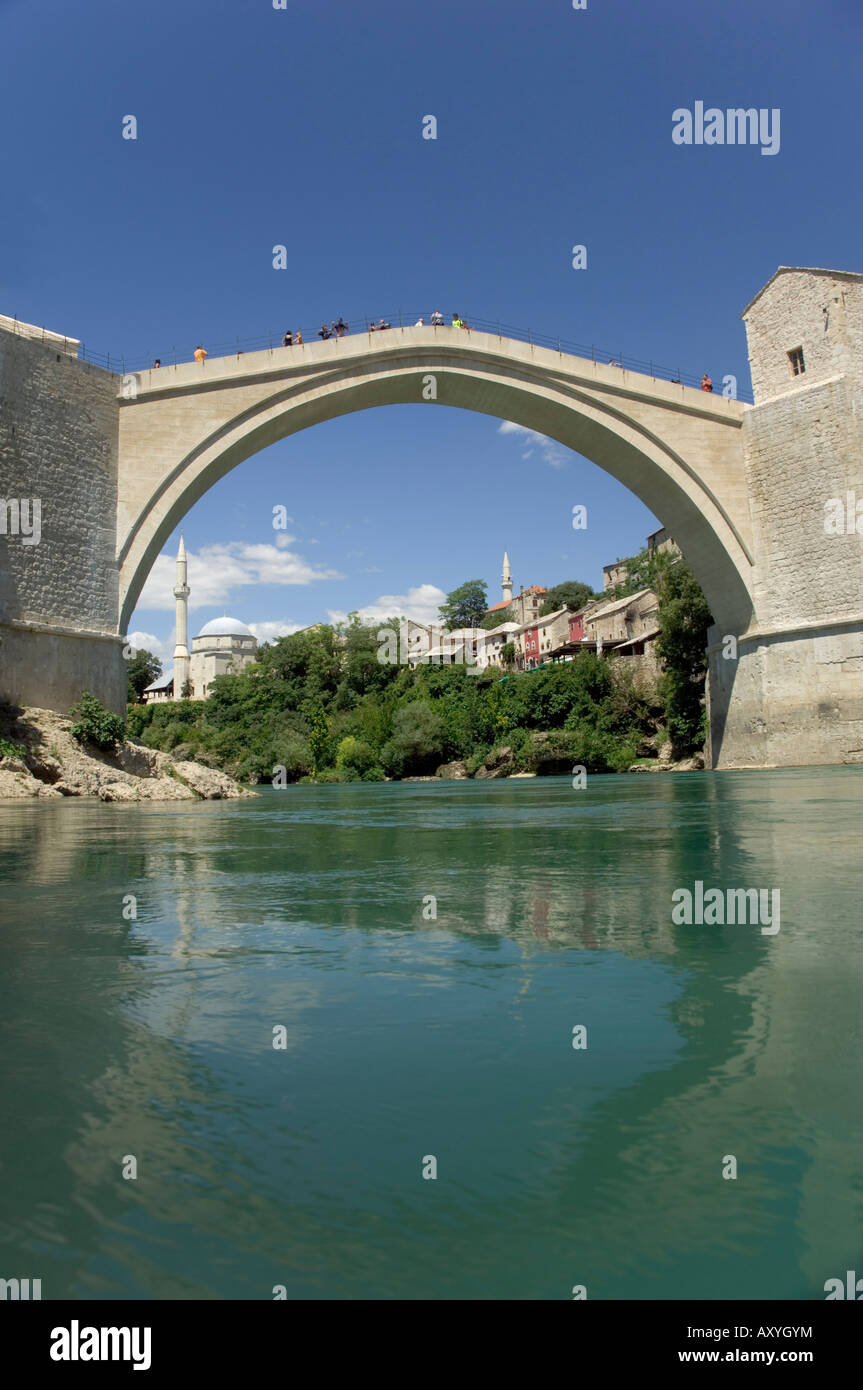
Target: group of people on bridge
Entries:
(338, 328)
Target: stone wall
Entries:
(58, 596)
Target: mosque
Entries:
(223, 645)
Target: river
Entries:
(152, 955)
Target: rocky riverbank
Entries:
(545, 759)
(40, 758)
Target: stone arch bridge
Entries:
(117, 462)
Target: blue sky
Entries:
(303, 127)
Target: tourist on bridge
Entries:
(382, 324)
(437, 319)
(456, 321)
(299, 339)
(158, 362)
(341, 327)
(706, 383)
(200, 353)
(420, 323)
(323, 332)
(288, 340)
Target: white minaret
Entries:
(506, 580)
(181, 650)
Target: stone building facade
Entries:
(803, 327)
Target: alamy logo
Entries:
(78, 1343)
(19, 1289)
(735, 126)
(851, 1289)
(843, 518)
(21, 518)
(429, 646)
(736, 906)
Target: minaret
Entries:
(181, 650)
(506, 580)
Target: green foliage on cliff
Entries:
(321, 709)
(96, 724)
(321, 704)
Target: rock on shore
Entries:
(53, 764)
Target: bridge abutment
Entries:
(59, 425)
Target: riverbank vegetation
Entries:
(319, 704)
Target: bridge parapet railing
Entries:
(402, 319)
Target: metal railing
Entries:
(592, 352)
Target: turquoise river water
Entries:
(144, 1030)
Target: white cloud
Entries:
(268, 632)
(216, 572)
(145, 641)
(551, 451)
(420, 603)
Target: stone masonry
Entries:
(58, 598)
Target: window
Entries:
(795, 357)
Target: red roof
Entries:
(508, 602)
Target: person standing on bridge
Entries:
(299, 339)
(342, 327)
(456, 321)
(437, 319)
(288, 340)
(200, 353)
(706, 383)
(323, 332)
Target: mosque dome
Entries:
(225, 627)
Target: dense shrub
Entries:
(96, 724)
(355, 755)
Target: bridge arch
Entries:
(679, 450)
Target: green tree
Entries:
(492, 620)
(507, 653)
(356, 756)
(363, 671)
(684, 618)
(320, 743)
(572, 595)
(417, 742)
(465, 606)
(142, 670)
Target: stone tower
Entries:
(181, 650)
(795, 692)
(506, 580)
